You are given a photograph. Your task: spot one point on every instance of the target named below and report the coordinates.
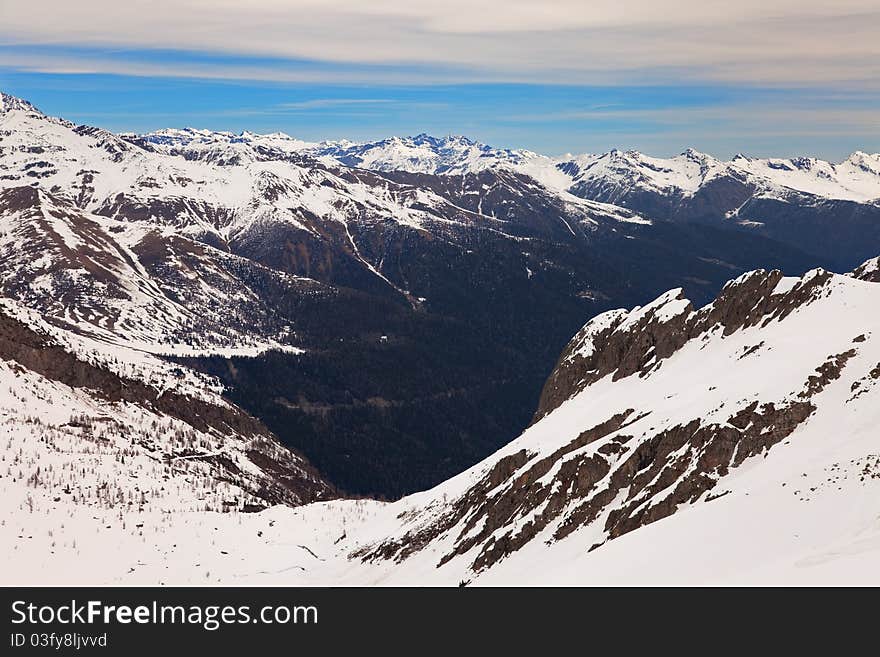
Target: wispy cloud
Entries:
(332, 107)
(784, 76)
(840, 120)
(322, 103)
(65, 60)
(561, 41)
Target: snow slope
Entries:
(199, 192)
(130, 285)
(81, 438)
(733, 444)
(855, 178)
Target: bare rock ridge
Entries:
(623, 344)
(9, 103)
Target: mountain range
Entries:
(754, 194)
(231, 329)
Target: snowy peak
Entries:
(616, 172)
(611, 176)
(183, 137)
(694, 154)
(219, 147)
(869, 271)
(866, 162)
(422, 153)
(623, 344)
(12, 103)
(856, 178)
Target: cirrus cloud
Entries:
(567, 41)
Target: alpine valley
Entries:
(250, 359)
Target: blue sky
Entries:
(399, 70)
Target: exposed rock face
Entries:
(624, 344)
(672, 468)
(689, 459)
(527, 493)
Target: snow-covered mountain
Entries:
(857, 178)
(223, 148)
(788, 199)
(420, 154)
(391, 310)
(792, 200)
(211, 245)
(760, 195)
(210, 186)
(88, 428)
(736, 443)
(355, 311)
(134, 285)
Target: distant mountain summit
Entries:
(9, 103)
(856, 178)
(603, 177)
(420, 154)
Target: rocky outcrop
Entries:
(623, 344)
(674, 467)
(869, 271)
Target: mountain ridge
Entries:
(188, 136)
